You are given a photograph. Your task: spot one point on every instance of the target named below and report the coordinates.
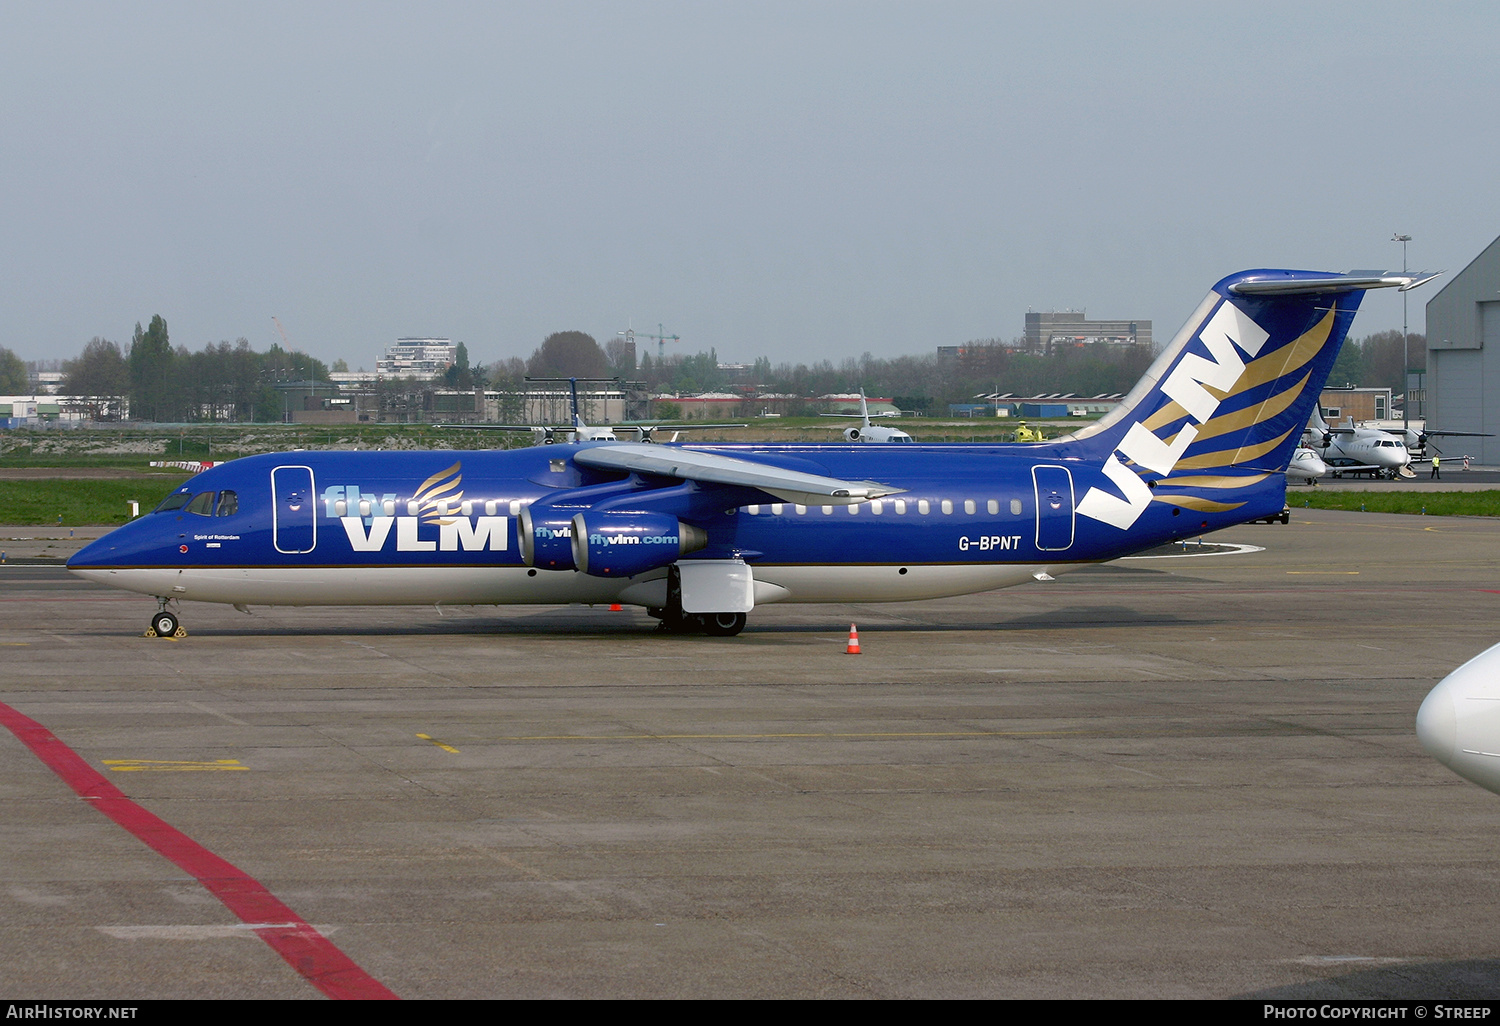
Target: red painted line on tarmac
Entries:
(305, 949)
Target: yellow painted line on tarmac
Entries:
(15, 644)
(170, 766)
(759, 737)
(433, 740)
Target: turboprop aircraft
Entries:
(867, 432)
(699, 535)
(578, 431)
(1459, 721)
(1357, 450)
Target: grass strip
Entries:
(1433, 504)
(78, 503)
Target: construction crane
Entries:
(286, 341)
(630, 335)
(282, 332)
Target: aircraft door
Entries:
(1054, 507)
(294, 525)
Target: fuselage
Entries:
(312, 528)
(1366, 447)
(1306, 467)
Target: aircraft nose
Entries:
(1437, 724)
(1459, 720)
(90, 554)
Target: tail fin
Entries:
(1224, 405)
(578, 425)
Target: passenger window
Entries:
(828, 511)
(924, 507)
(801, 509)
(993, 506)
(1015, 507)
(947, 506)
(776, 509)
(969, 507)
(341, 507)
(754, 510)
(202, 504)
(900, 507)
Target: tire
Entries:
(723, 625)
(164, 624)
(679, 625)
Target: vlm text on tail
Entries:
(1213, 424)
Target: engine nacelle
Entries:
(851, 434)
(546, 538)
(626, 544)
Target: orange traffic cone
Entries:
(853, 647)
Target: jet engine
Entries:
(625, 544)
(546, 538)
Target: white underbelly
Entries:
(410, 586)
(890, 584)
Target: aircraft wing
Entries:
(505, 427)
(713, 468)
(647, 432)
(684, 427)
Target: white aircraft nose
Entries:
(1437, 723)
(1459, 721)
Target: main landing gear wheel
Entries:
(717, 625)
(164, 624)
(723, 625)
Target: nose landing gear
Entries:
(165, 623)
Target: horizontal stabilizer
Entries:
(1274, 284)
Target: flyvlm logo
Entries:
(632, 539)
(437, 503)
(1188, 384)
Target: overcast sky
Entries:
(801, 181)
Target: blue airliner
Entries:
(701, 534)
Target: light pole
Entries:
(1405, 358)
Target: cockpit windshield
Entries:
(176, 500)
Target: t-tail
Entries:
(1211, 428)
(579, 427)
